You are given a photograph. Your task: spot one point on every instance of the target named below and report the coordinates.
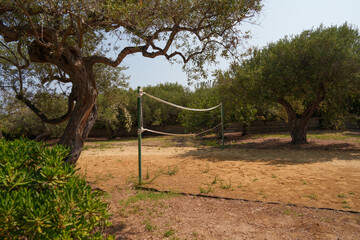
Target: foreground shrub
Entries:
(41, 197)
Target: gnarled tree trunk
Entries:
(245, 130)
(298, 129)
(298, 125)
(84, 93)
(84, 113)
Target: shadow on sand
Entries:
(278, 151)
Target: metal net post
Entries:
(139, 106)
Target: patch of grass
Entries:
(206, 191)
(341, 196)
(347, 206)
(273, 176)
(147, 177)
(334, 136)
(86, 148)
(101, 145)
(172, 171)
(351, 193)
(105, 177)
(169, 233)
(321, 135)
(104, 145)
(255, 179)
(287, 212)
(312, 196)
(257, 136)
(149, 226)
(194, 234)
(142, 195)
(303, 182)
(262, 193)
(211, 143)
(325, 219)
(106, 196)
(327, 136)
(131, 206)
(158, 174)
(206, 170)
(280, 135)
(215, 180)
(226, 185)
(174, 238)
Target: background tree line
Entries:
(315, 73)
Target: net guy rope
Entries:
(141, 129)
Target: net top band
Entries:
(178, 106)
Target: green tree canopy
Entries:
(67, 35)
(205, 96)
(319, 67)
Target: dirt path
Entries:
(309, 177)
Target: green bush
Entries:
(41, 197)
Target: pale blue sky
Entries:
(279, 18)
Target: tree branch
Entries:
(50, 78)
(113, 63)
(37, 38)
(312, 107)
(42, 116)
(289, 109)
(27, 63)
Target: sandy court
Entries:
(306, 177)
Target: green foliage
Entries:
(113, 99)
(19, 121)
(317, 70)
(205, 96)
(156, 113)
(71, 37)
(300, 67)
(41, 197)
(160, 113)
(237, 106)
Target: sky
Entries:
(278, 19)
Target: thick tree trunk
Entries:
(111, 133)
(84, 93)
(245, 130)
(298, 126)
(1, 135)
(84, 113)
(298, 129)
(78, 129)
(82, 118)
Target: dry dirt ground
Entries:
(254, 188)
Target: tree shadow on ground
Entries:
(117, 228)
(284, 143)
(278, 152)
(353, 134)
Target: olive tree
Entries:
(304, 72)
(67, 35)
(237, 106)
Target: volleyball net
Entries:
(141, 128)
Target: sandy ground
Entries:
(269, 189)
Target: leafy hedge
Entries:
(41, 197)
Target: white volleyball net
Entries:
(141, 128)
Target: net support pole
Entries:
(139, 106)
(222, 125)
